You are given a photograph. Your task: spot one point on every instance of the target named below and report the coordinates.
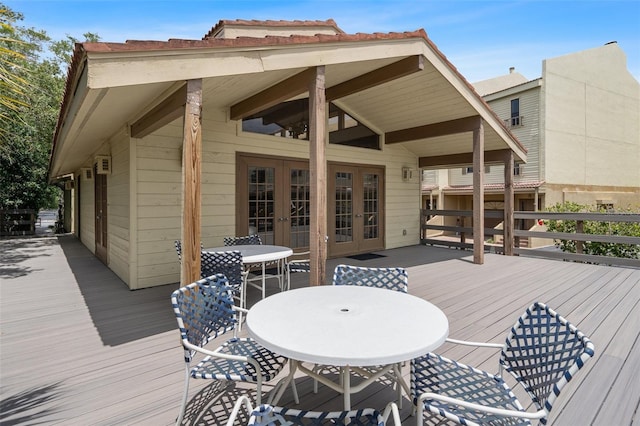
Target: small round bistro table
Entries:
(261, 254)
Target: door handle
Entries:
(359, 215)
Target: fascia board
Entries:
(115, 69)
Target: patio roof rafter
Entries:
(377, 77)
(286, 89)
(444, 128)
(164, 113)
(298, 84)
(463, 159)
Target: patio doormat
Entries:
(366, 256)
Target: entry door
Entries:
(101, 216)
(273, 200)
(355, 209)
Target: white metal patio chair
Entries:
(268, 415)
(543, 351)
(205, 311)
(300, 262)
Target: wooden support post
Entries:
(318, 176)
(191, 174)
(508, 225)
(478, 195)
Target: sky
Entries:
(482, 39)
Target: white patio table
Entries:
(260, 254)
(347, 326)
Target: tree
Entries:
(34, 68)
(629, 251)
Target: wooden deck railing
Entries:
(17, 222)
(462, 231)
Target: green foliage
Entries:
(629, 251)
(32, 79)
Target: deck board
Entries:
(77, 347)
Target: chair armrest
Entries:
(239, 309)
(470, 405)
(392, 409)
(479, 344)
(217, 354)
(243, 400)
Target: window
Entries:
(469, 170)
(518, 169)
(291, 120)
(516, 118)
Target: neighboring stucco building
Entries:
(580, 123)
(137, 116)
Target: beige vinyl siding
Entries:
(159, 188)
(158, 210)
(528, 134)
(87, 213)
(118, 206)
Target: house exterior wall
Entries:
(118, 217)
(592, 127)
(87, 212)
(581, 128)
(528, 134)
(159, 188)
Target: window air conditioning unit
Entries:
(87, 173)
(103, 165)
(68, 185)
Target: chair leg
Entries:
(183, 406)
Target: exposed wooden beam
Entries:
(452, 127)
(463, 159)
(478, 195)
(318, 177)
(280, 92)
(164, 113)
(192, 168)
(376, 77)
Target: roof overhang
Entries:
(110, 86)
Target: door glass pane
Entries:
(261, 202)
(299, 215)
(371, 213)
(344, 207)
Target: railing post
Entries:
(579, 230)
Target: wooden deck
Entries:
(77, 347)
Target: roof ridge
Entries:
(271, 23)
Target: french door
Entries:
(273, 201)
(355, 203)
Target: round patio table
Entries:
(347, 326)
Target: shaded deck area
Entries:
(77, 347)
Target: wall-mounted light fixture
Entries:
(407, 174)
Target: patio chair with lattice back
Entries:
(269, 415)
(178, 245)
(300, 262)
(389, 278)
(543, 351)
(205, 311)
